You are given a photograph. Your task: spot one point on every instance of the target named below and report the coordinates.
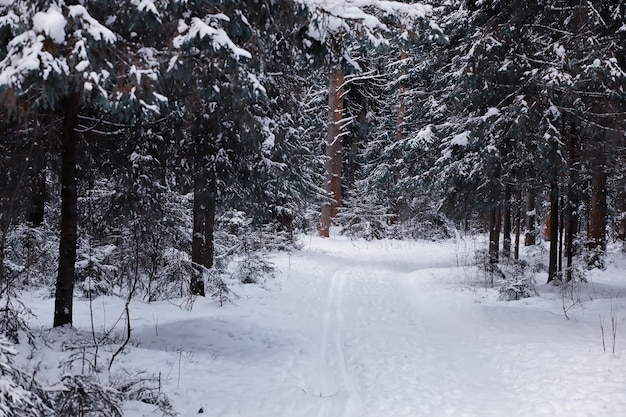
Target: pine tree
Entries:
(58, 56)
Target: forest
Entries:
(162, 149)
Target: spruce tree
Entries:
(58, 57)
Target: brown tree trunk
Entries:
(332, 186)
(68, 234)
(506, 226)
(529, 237)
(598, 210)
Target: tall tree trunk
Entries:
(530, 236)
(518, 222)
(553, 231)
(399, 204)
(506, 226)
(401, 98)
(68, 234)
(494, 234)
(202, 243)
(598, 210)
(571, 225)
(561, 233)
(549, 221)
(332, 186)
(571, 212)
(38, 184)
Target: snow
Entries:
(146, 6)
(331, 17)
(27, 52)
(95, 29)
(423, 138)
(52, 23)
(462, 139)
(492, 111)
(372, 329)
(202, 29)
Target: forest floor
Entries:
(376, 329)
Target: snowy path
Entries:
(360, 331)
(375, 330)
(396, 355)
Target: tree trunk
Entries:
(399, 204)
(202, 243)
(561, 233)
(332, 186)
(506, 226)
(571, 212)
(553, 231)
(494, 234)
(401, 100)
(530, 237)
(518, 222)
(598, 210)
(38, 185)
(549, 221)
(69, 200)
(571, 225)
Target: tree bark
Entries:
(202, 243)
(401, 100)
(571, 212)
(69, 221)
(553, 230)
(598, 210)
(36, 210)
(332, 185)
(530, 236)
(518, 222)
(506, 226)
(561, 233)
(494, 234)
(399, 204)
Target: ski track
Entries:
(337, 391)
(394, 372)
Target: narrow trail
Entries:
(382, 345)
(337, 393)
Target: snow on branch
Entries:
(146, 6)
(204, 29)
(28, 53)
(51, 23)
(94, 28)
(60, 49)
(331, 17)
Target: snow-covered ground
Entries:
(376, 329)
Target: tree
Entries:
(331, 25)
(58, 57)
